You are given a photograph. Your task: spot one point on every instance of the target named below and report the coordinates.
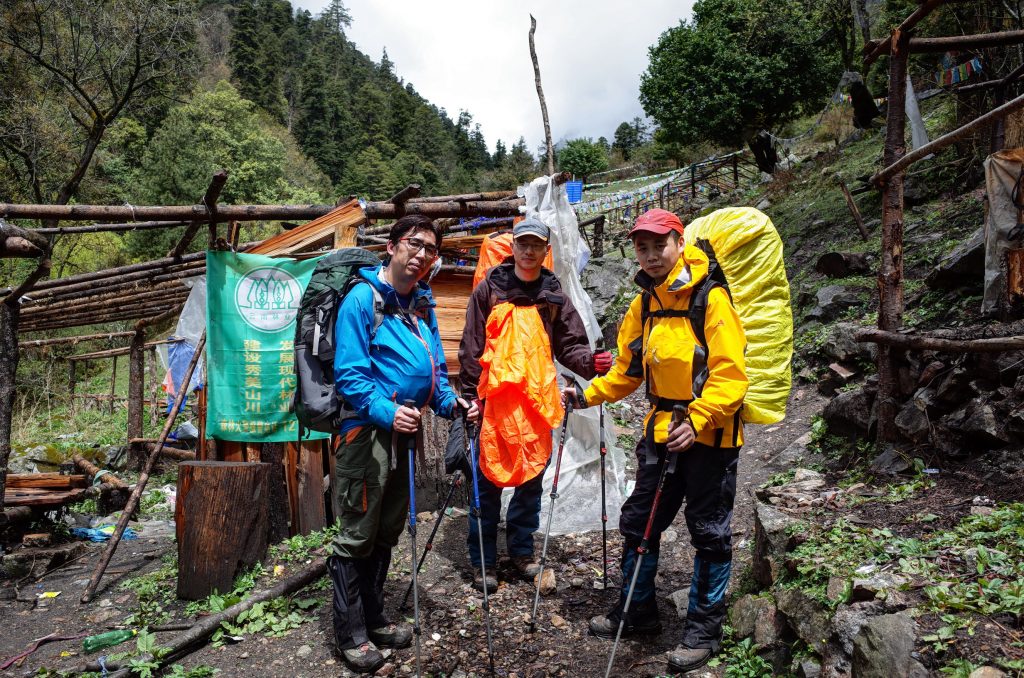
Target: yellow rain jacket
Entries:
(666, 352)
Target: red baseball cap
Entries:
(657, 221)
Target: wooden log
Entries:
(113, 352)
(46, 481)
(858, 219)
(101, 228)
(221, 522)
(220, 177)
(480, 208)
(877, 49)
(15, 515)
(144, 297)
(119, 272)
(926, 343)
(39, 343)
(146, 282)
(90, 469)
(171, 452)
(495, 224)
(210, 623)
(99, 318)
(900, 164)
(890, 275)
(410, 192)
(21, 242)
(469, 197)
(133, 500)
(842, 264)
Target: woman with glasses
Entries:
(376, 370)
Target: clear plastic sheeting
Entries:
(578, 506)
(1002, 170)
(190, 327)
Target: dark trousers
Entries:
(705, 477)
(521, 521)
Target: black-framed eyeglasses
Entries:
(415, 244)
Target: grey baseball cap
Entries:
(531, 226)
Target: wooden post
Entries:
(693, 181)
(154, 387)
(304, 478)
(136, 387)
(853, 208)
(113, 383)
(277, 492)
(202, 423)
(540, 94)
(890, 275)
(72, 381)
(221, 523)
(599, 237)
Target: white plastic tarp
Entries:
(578, 506)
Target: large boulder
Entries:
(832, 301)
(849, 414)
(882, 648)
(912, 421)
(607, 280)
(980, 424)
(964, 266)
(758, 618)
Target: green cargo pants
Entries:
(370, 498)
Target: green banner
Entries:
(252, 301)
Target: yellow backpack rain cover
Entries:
(749, 251)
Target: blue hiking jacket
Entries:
(404, 361)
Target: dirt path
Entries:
(454, 641)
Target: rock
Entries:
(808, 668)
(771, 542)
(833, 301)
(303, 651)
(843, 264)
(987, 672)
(836, 589)
(681, 600)
(36, 561)
(387, 670)
(882, 647)
(963, 266)
(576, 582)
(425, 517)
(756, 617)
(849, 414)
(547, 581)
(954, 389)
(805, 616)
(891, 461)
(606, 279)
(875, 587)
(669, 536)
(912, 422)
(558, 621)
(982, 425)
(764, 204)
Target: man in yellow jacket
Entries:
(660, 346)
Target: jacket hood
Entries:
(690, 269)
(421, 294)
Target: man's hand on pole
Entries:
(573, 394)
(407, 420)
(680, 437)
(472, 409)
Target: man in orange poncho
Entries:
(518, 322)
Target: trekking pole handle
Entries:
(680, 413)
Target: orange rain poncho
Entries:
(519, 384)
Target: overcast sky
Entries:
(475, 55)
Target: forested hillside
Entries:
(140, 104)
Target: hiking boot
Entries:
(684, 659)
(526, 566)
(363, 659)
(606, 626)
(392, 635)
(478, 580)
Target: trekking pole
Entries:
(604, 504)
(678, 417)
(551, 512)
(471, 434)
(412, 536)
(456, 481)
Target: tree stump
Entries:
(221, 520)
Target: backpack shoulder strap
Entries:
(697, 313)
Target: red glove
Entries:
(603, 361)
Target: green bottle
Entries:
(108, 639)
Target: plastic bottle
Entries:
(108, 639)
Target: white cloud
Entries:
(474, 55)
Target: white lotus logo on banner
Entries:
(268, 298)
